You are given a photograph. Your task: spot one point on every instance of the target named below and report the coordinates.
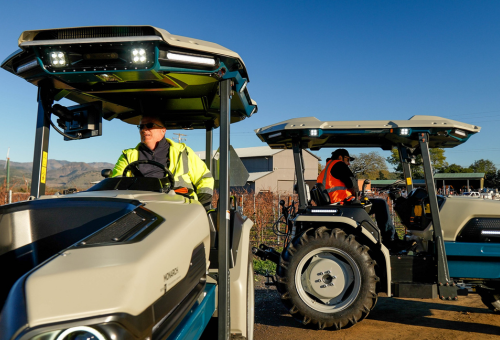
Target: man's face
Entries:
(345, 159)
(154, 134)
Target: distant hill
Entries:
(60, 174)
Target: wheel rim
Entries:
(328, 280)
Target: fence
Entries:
(262, 208)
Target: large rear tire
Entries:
(326, 278)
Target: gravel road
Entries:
(392, 318)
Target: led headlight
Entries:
(80, 332)
(139, 55)
(491, 232)
(58, 59)
(313, 132)
(324, 211)
(190, 59)
(459, 133)
(404, 131)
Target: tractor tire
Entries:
(491, 299)
(327, 279)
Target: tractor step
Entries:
(415, 290)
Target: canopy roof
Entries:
(178, 80)
(462, 175)
(316, 134)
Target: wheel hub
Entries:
(326, 279)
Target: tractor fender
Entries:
(239, 258)
(383, 252)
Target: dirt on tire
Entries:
(392, 318)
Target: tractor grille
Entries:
(95, 32)
(472, 230)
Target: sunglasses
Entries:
(148, 126)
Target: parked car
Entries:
(471, 194)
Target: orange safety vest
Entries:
(334, 187)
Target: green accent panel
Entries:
(61, 95)
(192, 79)
(186, 104)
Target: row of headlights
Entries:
(59, 59)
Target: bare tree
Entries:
(369, 165)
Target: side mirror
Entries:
(106, 173)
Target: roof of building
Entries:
(256, 175)
(477, 175)
(256, 151)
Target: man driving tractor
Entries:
(190, 172)
(341, 186)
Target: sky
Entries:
(334, 60)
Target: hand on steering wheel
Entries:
(132, 167)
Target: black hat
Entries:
(341, 152)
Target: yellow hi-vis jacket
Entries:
(188, 169)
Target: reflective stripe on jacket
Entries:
(334, 187)
(188, 169)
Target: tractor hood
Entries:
(33, 231)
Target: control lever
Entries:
(365, 183)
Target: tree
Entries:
(455, 169)
(484, 165)
(368, 165)
(490, 170)
(381, 175)
(438, 162)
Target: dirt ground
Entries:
(392, 318)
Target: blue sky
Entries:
(335, 60)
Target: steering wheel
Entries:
(132, 167)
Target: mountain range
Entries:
(60, 174)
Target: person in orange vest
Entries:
(337, 178)
(341, 186)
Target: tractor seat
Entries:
(319, 195)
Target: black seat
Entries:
(319, 195)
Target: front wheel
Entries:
(327, 278)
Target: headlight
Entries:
(405, 131)
(139, 55)
(58, 59)
(193, 59)
(80, 333)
